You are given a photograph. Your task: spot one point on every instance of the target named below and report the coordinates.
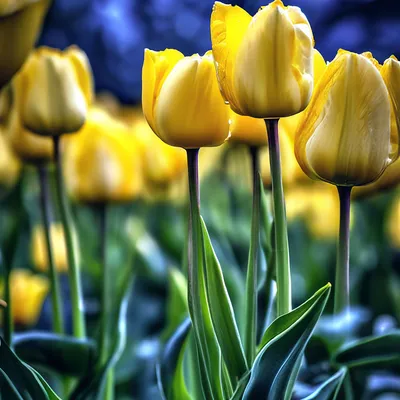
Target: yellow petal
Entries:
(190, 111)
(247, 130)
(156, 68)
(344, 135)
(319, 66)
(228, 26)
(273, 67)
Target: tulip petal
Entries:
(156, 68)
(344, 135)
(228, 26)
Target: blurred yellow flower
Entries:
(264, 63)
(10, 165)
(28, 292)
(102, 162)
(55, 89)
(39, 248)
(247, 130)
(393, 224)
(181, 99)
(20, 24)
(344, 137)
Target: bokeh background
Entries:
(114, 32)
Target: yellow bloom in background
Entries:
(264, 63)
(55, 89)
(28, 292)
(102, 162)
(247, 130)
(344, 136)
(39, 248)
(10, 165)
(181, 99)
(20, 25)
(393, 224)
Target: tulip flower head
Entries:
(393, 224)
(20, 24)
(181, 99)
(56, 90)
(264, 63)
(344, 137)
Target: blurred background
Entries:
(114, 32)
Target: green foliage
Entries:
(329, 389)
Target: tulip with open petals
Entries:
(264, 63)
(181, 99)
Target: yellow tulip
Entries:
(56, 89)
(10, 165)
(181, 99)
(264, 63)
(393, 224)
(20, 24)
(102, 162)
(28, 292)
(39, 248)
(247, 130)
(344, 136)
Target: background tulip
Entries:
(393, 223)
(265, 63)
(102, 163)
(56, 90)
(247, 130)
(181, 99)
(344, 136)
(20, 24)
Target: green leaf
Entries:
(370, 351)
(23, 379)
(329, 389)
(91, 386)
(56, 352)
(170, 376)
(177, 307)
(283, 344)
(8, 388)
(241, 387)
(222, 314)
(50, 392)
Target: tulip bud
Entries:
(56, 89)
(20, 23)
(39, 248)
(393, 224)
(344, 136)
(247, 130)
(181, 99)
(102, 162)
(10, 165)
(28, 292)
(265, 63)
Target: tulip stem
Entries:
(58, 323)
(282, 261)
(78, 326)
(8, 317)
(106, 296)
(342, 279)
(251, 279)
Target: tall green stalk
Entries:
(342, 279)
(56, 302)
(282, 262)
(78, 320)
(251, 279)
(8, 322)
(106, 298)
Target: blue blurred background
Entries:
(114, 32)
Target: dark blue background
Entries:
(114, 32)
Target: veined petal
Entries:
(156, 68)
(344, 136)
(390, 72)
(228, 26)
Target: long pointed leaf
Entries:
(329, 389)
(169, 369)
(284, 344)
(222, 315)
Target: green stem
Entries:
(58, 323)
(342, 280)
(284, 290)
(194, 259)
(106, 306)
(250, 336)
(8, 318)
(269, 296)
(79, 329)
